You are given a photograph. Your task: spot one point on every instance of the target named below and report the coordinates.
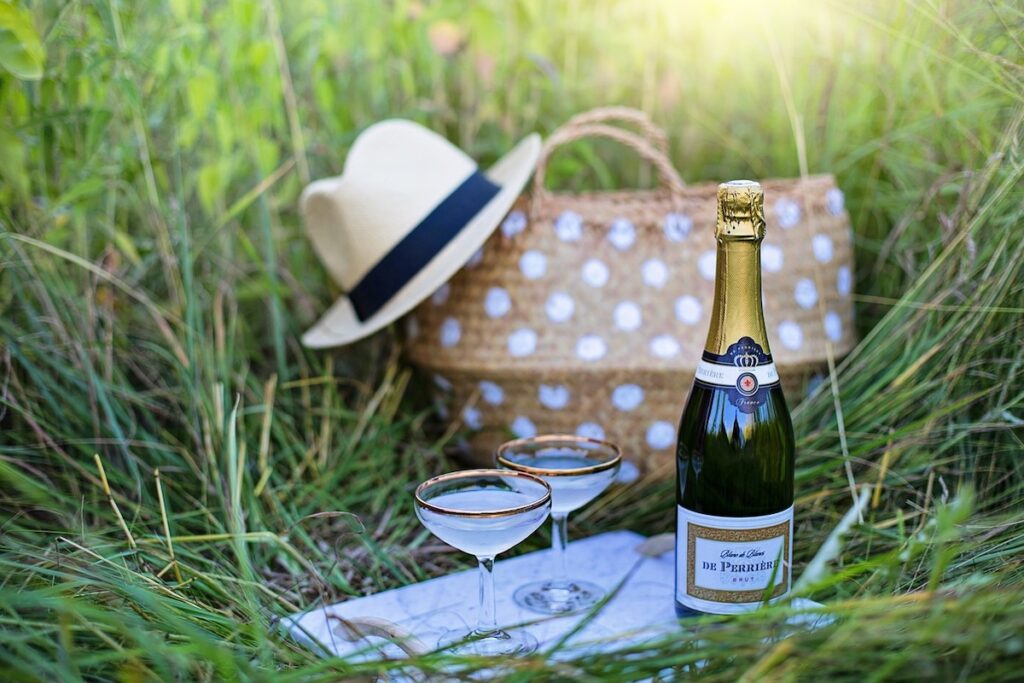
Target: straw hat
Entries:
(409, 210)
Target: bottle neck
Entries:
(737, 310)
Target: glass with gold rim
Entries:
(578, 469)
(484, 513)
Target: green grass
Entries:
(155, 279)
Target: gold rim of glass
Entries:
(466, 474)
(567, 439)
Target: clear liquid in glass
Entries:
(569, 492)
(483, 536)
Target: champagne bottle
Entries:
(735, 449)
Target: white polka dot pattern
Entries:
(476, 258)
(513, 224)
(622, 234)
(627, 316)
(627, 397)
(590, 348)
(628, 473)
(569, 226)
(660, 435)
(844, 282)
(595, 273)
(559, 307)
(523, 427)
(771, 258)
(706, 264)
(471, 416)
(791, 336)
(677, 226)
(805, 293)
(787, 212)
(688, 310)
(590, 430)
(554, 397)
(833, 326)
(822, 247)
(522, 342)
(654, 273)
(557, 314)
(491, 393)
(497, 302)
(451, 332)
(835, 202)
(441, 294)
(664, 346)
(533, 264)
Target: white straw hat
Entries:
(408, 211)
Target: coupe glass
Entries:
(483, 513)
(578, 469)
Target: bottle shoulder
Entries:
(735, 463)
(714, 410)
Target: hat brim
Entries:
(340, 325)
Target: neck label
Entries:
(745, 370)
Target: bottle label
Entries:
(745, 370)
(726, 565)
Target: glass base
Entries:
(547, 597)
(494, 644)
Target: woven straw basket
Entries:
(587, 313)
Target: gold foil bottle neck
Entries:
(740, 211)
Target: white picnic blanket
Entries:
(642, 609)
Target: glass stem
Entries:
(559, 541)
(486, 622)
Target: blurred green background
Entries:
(148, 107)
(154, 279)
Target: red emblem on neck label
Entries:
(746, 384)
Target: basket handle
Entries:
(649, 131)
(668, 178)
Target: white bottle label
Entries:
(724, 565)
(720, 375)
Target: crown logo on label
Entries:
(746, 360)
